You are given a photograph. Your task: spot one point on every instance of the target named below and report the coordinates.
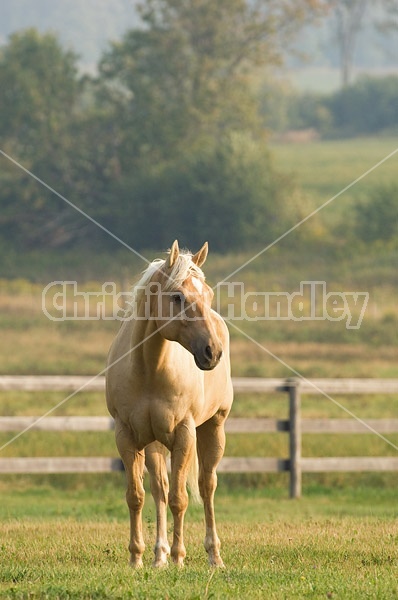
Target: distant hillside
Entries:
(83, 26)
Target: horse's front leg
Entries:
(211, 445)
(182, 454)
(133, 461)
(155, 460)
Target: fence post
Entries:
(295, 437)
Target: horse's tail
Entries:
(193, 479)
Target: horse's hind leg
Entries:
(155, 460)
(211, 445)
(133, 461)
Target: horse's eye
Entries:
(178, 298)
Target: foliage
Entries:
(187, 70)
(38, 79)
(180, 71)
(366, 107)
(167, 91)
(283, 109)
(377, 214)
(226, 192)
(40, 91)
(174, 121)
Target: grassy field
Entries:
(323, 168)
(62, 540)
(66, 536)
(298, 558)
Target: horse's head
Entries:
(183, 307)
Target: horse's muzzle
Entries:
(206, 360)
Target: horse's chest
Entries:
(156, 416)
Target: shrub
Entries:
(377, 214)
(368, 106)
(225, 192)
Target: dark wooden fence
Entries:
(295, 426)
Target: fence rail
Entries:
(71, 383)
(295, 426)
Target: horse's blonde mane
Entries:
(182, 268)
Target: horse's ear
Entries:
(199, 258)
(173, 255)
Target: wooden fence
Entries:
(295, 426)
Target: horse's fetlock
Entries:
(161, 547)
(161, 552)
(212, 544)
(136, 549)
(178, 553)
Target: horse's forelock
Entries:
(182, 268)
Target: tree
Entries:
(40, 93)
(39, 87)
(226, 192)
(349, 15)
(160, 116)
(366, 107)
(187, 71)
(348, 20)
(389, 22)
(182, 84)
(377, 215)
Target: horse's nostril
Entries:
(208, 353)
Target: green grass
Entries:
(40, 510)
(324, 168)
(101, 497)
(310, 560)
(73, 544)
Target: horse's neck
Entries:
(153, 356)
(151, 351)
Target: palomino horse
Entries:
(169, 388)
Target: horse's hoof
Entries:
(162, 553)
(136, 563)
(217, 562)
(179, 562)
(160, 563)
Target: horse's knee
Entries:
(207, 483)
(178, 502)
(135, 499)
